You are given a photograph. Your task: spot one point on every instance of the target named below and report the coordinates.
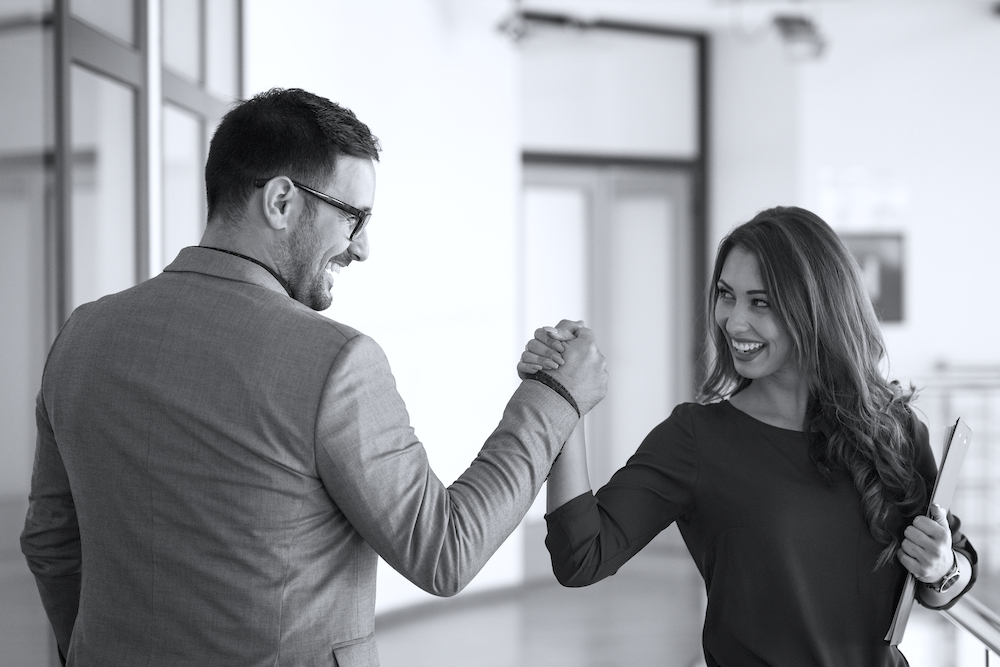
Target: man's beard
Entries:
(296, 262)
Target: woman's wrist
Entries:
(948, 579)
(934, 600)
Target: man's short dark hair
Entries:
(287, 132)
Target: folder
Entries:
(956, 444)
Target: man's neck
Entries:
(237, 239)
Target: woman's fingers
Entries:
(543, 337)
(543, 352)
(526, 369)
(539, 351)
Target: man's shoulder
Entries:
(212, 311)
(324, 328)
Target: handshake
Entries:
(568, 353)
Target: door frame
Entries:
(696, 236)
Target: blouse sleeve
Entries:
(590, 537)
(928, 469)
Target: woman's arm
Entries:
(940, 533)
(569, 477)
(934, 600)
(927, 551)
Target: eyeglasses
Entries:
(360, 217)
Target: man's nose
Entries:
(359, 248)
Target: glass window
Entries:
(606, 93)
(222, 72)
(23, 82)
(23, 326)
(20, 8)
(115, 17)
(183, 198)
(103, 229)
(182, 37)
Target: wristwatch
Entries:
(948, 580)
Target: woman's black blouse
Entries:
(787, 558)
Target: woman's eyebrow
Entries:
(722, 283)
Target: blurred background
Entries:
(543, 159)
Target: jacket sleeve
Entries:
(377, 472)
(51, 537)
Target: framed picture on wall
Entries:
(881, 258)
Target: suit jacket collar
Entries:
(223, 265)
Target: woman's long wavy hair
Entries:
(856, 420)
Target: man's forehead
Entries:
(349, 166)
(354, 178)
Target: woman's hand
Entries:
(544, 350)
(926, 549)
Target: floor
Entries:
(648, 614)
(635, 618)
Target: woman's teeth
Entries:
(747, 347)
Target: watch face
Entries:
(948, 582)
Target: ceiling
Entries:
(720, 14)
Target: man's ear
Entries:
(276, 202)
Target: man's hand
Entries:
(583, 369)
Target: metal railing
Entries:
(978, 620)
(972, 392)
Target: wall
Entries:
(754, 138)
(435, 82)
(899, 131)
(892, 130)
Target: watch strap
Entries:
(949, 579)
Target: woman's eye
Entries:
(722, 293)
(760, 303)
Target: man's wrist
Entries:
(556, 386)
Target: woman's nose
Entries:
(737, 320)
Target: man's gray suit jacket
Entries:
(217, 467)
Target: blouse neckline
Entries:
(750, 417)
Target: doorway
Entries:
(613, 245)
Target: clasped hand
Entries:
(569, 353)
(926, 548)
(544, 351)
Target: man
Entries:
(218, 464)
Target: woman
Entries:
(800, 480)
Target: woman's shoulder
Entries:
(923, 455)
(711, 413)
(694, 421)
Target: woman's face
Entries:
(758, 342)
